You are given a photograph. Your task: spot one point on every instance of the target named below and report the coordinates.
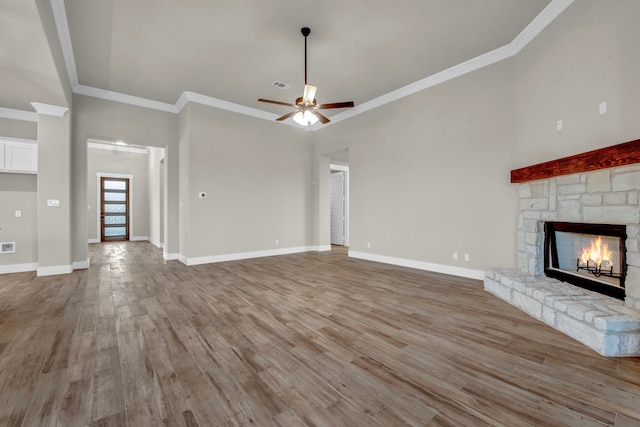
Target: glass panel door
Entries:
(114, 213)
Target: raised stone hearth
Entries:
(602, 323)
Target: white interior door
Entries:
(337, 208)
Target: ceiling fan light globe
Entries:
(305, 118)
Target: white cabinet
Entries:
(18, 155)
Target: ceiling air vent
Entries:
(281, 85)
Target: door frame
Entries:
(345, 169)
(107, 175)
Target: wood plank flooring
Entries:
(312, 339)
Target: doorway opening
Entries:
(145, 204)
(339, 204)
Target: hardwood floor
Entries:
(306, 339)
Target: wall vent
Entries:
(281, 85)
(7, 247)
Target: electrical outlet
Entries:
(54, 203)
(18, 213)
(368, 245)
(455, 255)
(7, 247)
(277, 241)
(466, 257)
(559, 125)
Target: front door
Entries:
(114, 209)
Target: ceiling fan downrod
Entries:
(305, 32)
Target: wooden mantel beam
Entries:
(617, 155)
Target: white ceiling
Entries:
(233, 50)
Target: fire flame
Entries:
(598, 253)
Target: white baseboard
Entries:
(132, 239)
(323, 248)
(420, 265)
(18, 268)
(245, 255)
(54, 270)
(156, 243)
(169, 257)
(44, 271)
(81, 265)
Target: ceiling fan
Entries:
(306, 108)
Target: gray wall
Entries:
(429, 173)
(18, 129)
(257, 176)
(587, 55)
(55, 183)
(116, 162)
(19, 192)
(184, 189)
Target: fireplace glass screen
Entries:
(587, 255)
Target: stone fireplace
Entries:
(609, 196)
(608, 323)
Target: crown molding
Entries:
(60, 18)
(49, 110)
(224, 105)
(433, 80)
(198, 98)
(27, 116)
(18, 140)
(537, 25)
(182, 101)
(108, 145)
(124, 98)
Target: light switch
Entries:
(18, 214)
(602, 107)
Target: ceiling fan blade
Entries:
(309, 94)
(286, 116)
(323, 119)
(276, 102)
(348, 104)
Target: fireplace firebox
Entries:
(592, 256)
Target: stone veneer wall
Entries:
(607, 196)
